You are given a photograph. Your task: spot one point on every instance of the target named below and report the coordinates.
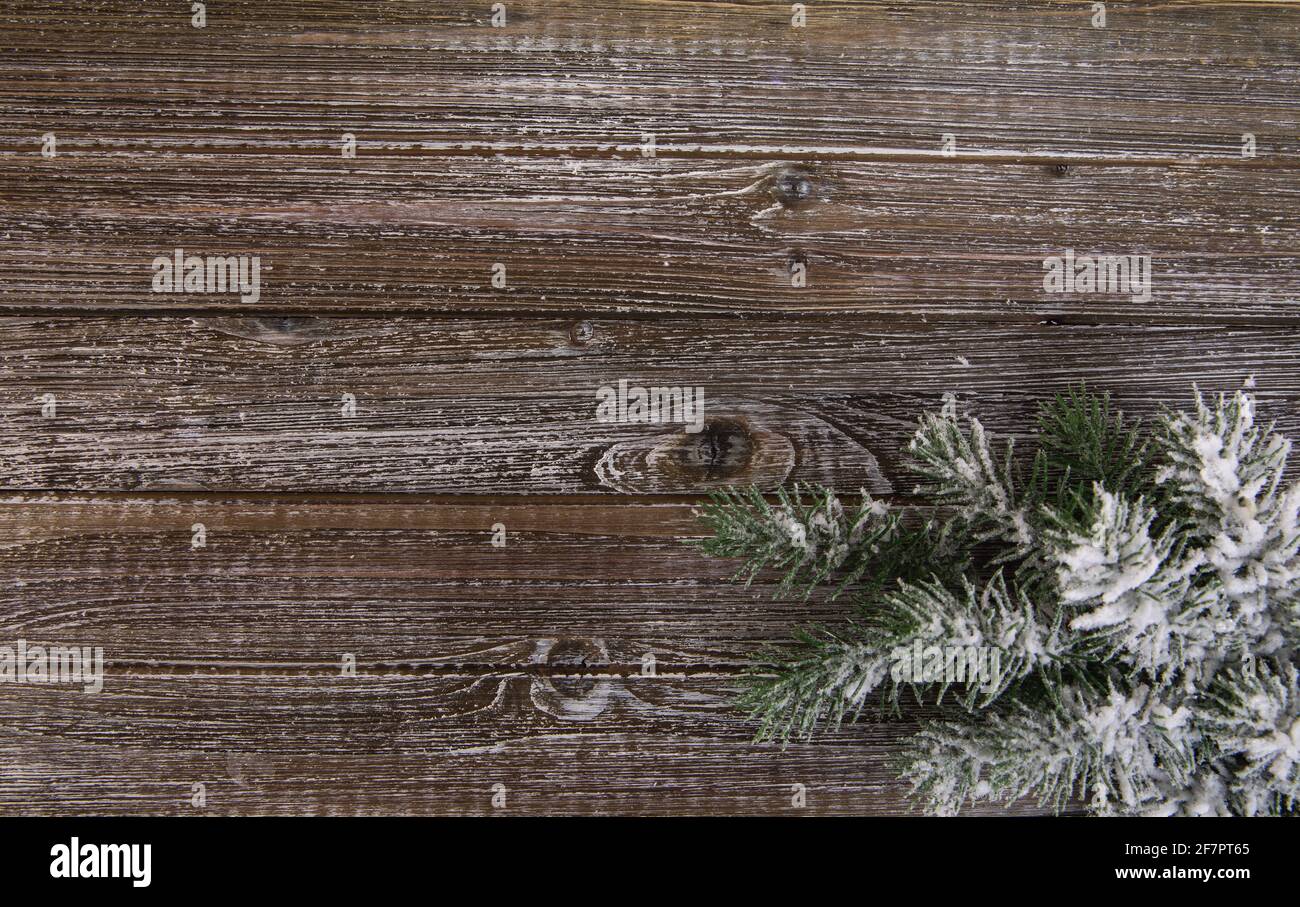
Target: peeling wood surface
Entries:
(131, 419)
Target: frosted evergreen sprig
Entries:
(823, 678)
(1121, 751)
(1091, 444)
(830, 676)
(1228, 474)
(997, 619)
(806, 535)
(1251, 715)
(958, 468)
(1131, 590)
(1140, 587)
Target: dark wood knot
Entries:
(1060, 169)
(577, 656)
(722, 449)
(570, 689)
(731, 450)
(582, 332)
(792, 188)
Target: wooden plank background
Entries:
(526, 145)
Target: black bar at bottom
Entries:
(639, 859)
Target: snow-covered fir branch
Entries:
(806, 535)
(1133, 591)
(1229, 475)
(1251, 718)
(958, 468)
(830, 676)
(1139, 589)
(1120, 751)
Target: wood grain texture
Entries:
(370, 535)
(524, 666)
(1179, 80)
(377, 234)
(419, 745)
(401, 585)
(510, 407)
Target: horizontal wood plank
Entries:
(399, 585)
(1160, 81)
(656, 235)
(224, 665)
(419, 745)
(509, 406)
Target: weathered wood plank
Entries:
(399, 585)
(423, 745)
(656, 235)
(1160, 81)
(509, 406)
(223, 665)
